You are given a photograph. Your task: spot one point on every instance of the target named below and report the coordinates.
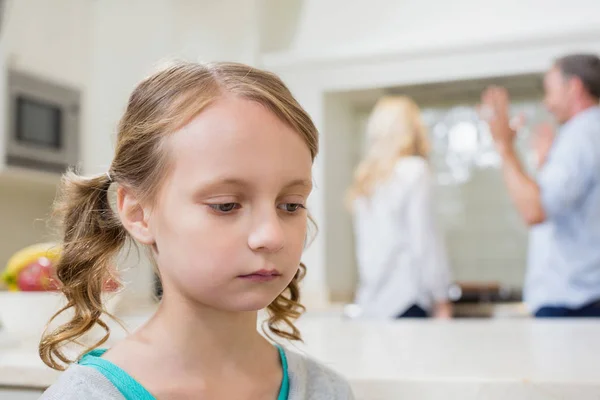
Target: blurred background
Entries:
(338, 57)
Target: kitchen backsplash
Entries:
(485, 237)
(24, 214)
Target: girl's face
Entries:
(229, 223)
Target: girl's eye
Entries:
(291, 207)
(225, 207)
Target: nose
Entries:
(266, 234)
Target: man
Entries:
(562, 206)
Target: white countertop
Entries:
(505, 358)
(478, 359)
(20, 365)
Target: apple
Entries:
(37, 277)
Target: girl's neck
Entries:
(198, 335)
(189, 351)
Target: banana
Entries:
(26, 256)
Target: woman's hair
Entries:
(394, 130)
(93, 235)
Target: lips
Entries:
(262, 275)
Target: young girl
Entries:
(213, 170)
(403, 268)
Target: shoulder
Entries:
(583, 131)
(412, 168)
(586, 121)
(413, 174)
(577, 144)
(81, 382)
(311, 380)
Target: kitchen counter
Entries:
(466, 359)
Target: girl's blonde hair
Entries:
(394, 130)
(92, 233)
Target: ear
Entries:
(577, 86)
(134, 217)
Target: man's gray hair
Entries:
(586, 67)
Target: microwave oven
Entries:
(43, 123)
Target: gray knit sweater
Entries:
(309, 380)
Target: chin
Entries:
(252, 302)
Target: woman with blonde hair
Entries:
(403, 269)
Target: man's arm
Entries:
(522, 189)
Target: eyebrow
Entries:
(303, 183)
(226, 182)
(299, 182)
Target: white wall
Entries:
(339, 144)
(48, 38)
(278, 23)
(335, 28)
(24, 215)
(130, 38)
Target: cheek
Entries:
(552, 100)
(193, 259)
(296, 238)
(192, 240)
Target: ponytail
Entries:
(92, 236)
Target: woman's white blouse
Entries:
(402, 258)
